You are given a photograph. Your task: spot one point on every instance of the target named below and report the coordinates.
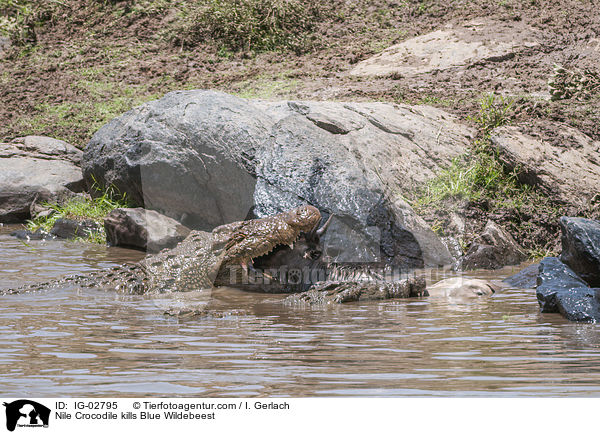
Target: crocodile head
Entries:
(242, 242)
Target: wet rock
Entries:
(207, 158)
(462, 287)
(143, 229)
(338, 292)
(39, 234)
(35, 169)
(68, 228)
(451, 47)
(526, 278)
(560, 290)
(493, 249)
(581, 247)
(560, 160)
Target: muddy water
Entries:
(70, 342)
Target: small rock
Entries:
(581, 247)
(560, 290)
(39, 234)
(143, 229)
(67, 228)
(493, 249)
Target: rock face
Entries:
(455, 46)
(561, 290)
(208, 158)
(338, 292)
(581, 247)
(565, 164)
(35, 169)
(143, 229)
(493, 249)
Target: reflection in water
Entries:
(93, 343)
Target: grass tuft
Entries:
(249, 25)
(494, 111)
(82, 208)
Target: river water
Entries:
(92, 343)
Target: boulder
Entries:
(526, 278)
(560, 160)
(207, 158)
(494, 248)
(451, 47)
(69, 228)
(560, 290)
(35, 169)
(581, 247)
(143, 229)
(338, 292)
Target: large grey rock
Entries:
(581, 247)
(208, 158)
(494, 248)
(451, 47)
(560, 290)
(143, 229)
(33, 170)
(564, 163)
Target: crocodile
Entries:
(203, 259)
(279, 245)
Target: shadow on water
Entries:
(70, 342)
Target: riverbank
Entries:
(79, 67)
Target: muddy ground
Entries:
(90, 63)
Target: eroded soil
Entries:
(90, 64)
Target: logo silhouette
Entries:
(26, 413)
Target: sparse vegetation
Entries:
(565, 84)
(249, 25)
(494, 111)
(478, 174)
(82, 208)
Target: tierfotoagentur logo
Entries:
(26, 413)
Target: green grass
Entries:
(494, 111)
(267, 87)
(479, 174)
(82, 208)
(471, 177)
(540, 253)
(105, 101)
(249, 25)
